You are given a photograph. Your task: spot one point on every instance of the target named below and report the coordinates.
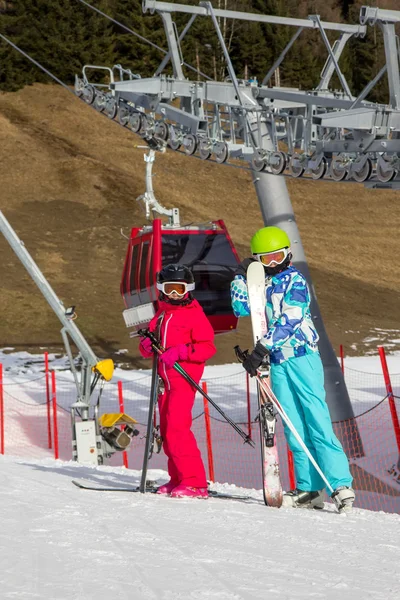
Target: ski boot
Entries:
(343, 497)
(167, 488)
(184, 491)
(299, 499)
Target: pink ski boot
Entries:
(184, 491)
(167, 488)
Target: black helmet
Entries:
(175, 272)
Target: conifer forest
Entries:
(63, 35)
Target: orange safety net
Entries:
(369, 438)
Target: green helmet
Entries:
(269, 239)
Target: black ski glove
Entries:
(241, 269)
(254, 360)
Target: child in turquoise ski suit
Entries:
(297, 376)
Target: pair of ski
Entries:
(272, 486)
(151, 488)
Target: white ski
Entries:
(272, 486)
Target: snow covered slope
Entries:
(58, 542)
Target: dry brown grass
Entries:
(69, 179)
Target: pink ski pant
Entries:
(185, 465)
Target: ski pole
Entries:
(268, 391)
(159, 349)
(149, 437)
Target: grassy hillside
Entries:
(69, 179)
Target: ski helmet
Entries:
(272, 243)
(269, 239)
(175, 272)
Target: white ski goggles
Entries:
(179, 287)
(269, 259)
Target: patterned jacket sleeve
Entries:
(239, 297)
(290, 304)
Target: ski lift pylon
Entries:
(206, 249)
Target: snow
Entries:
(61, 543)
(58, 542)
(24, 363)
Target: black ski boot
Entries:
(300, 499)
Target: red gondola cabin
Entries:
(206, 249)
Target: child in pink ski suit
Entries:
(187, 335)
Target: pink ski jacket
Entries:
(183, 325)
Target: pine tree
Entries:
(367, 56)
(13, 66)
(62, 35)
(202, 45)
(130, 51)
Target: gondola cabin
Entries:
(208, 251)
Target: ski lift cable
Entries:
(103, 14)
(52, 76)
(64, 85)
(35, 62)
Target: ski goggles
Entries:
(268, 259)
(179, 287)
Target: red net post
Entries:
(208, 435)
(121, 409)
(1, 411)
(48, 400)
(54, 404)
(341, 358)
(390, 395)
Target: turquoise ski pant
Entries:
(298, 383)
